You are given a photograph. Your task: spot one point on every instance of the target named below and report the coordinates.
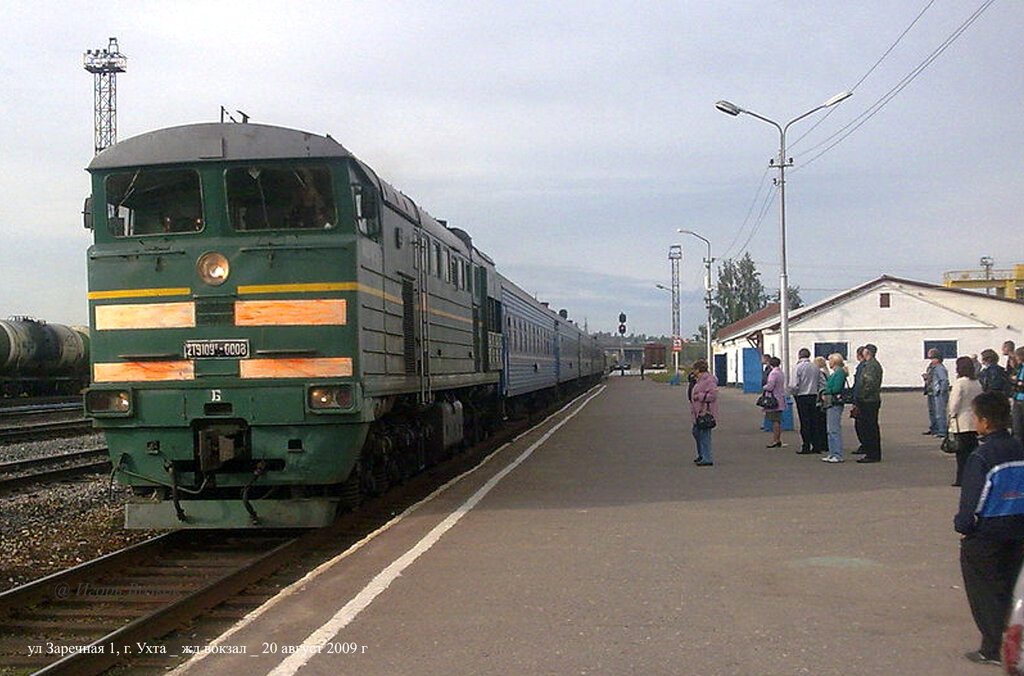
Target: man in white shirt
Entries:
(806, 382)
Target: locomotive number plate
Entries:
(230, 348)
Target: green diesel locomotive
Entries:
(277, 331)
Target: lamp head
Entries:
(841, 96)
(728, 108)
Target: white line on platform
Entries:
(383, 579)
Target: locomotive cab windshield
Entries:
(154, 202)
(280, 198)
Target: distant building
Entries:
(904, 318)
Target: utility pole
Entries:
(105, 64)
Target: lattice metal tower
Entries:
(105, 64)
(675, 255)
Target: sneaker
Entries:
(831, 458)
(981, 658)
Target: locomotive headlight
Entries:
(330, 397)
(213, 268)
(108, 402)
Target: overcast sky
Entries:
(571, 139)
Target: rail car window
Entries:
(154, 202)
(280, 198)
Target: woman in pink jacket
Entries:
(703, 401)
(776, 386)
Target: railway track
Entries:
(92, 617)
(18, 473)
(45, 430)
(128, 606)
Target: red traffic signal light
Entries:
(622, 328)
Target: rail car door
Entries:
(423, 309)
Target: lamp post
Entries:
(675, 321)
(707, 291)
(733, 109)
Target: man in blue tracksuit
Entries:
(991, 519)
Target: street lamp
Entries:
(707, 291)
(675, 322)
(733, 109)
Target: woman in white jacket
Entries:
(961, 414)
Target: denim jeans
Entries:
(937, 405)
(834, 423)
(703, 439)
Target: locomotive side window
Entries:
(154, 202)
(280, 198)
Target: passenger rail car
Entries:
(277, 331)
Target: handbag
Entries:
(845, 396)
(951, 442)
(767, 400)
(705, 421)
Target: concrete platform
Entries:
(607, 551)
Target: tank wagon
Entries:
(37, 358)
(277, 331)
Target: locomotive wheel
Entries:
(350, 495)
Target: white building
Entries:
(902, 317)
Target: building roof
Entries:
(769, 317)
(743, 326)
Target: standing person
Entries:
(936, 388)
(1010, 352)
(834, 412)
(821, 426)
(1017, 387)
(991, 519)
(867, 403)
(766, 369)
(858, 426)
(804, 386)
(961, 414)
(992, 376)
(775, 385)
(703, 400)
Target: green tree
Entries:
(738, 293)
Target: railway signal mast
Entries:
(105, 64)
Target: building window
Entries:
(946, 348)
(825, 349)
(884, 300)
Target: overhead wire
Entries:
(855, 124)
(750, 210)
(869, 71)
(770, 198)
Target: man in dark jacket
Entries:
(867, 402)
(992, 376)
(991, 519)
